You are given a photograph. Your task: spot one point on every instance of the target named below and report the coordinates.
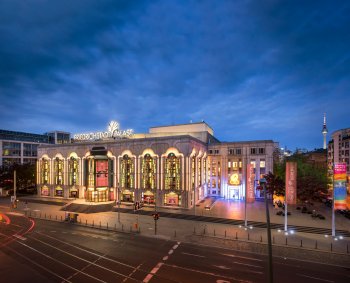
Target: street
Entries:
(62, 252)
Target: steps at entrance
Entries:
(86, 208)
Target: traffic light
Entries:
(155, 216)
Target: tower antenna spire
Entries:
(324, 132)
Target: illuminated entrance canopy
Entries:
(113, 131)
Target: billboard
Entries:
(291, 182)
(101, 173)
(339, 186)
(250, 193)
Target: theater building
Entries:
(173, 166)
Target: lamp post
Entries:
(263, 184)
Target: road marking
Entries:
(222, 267)
(89, 252)
(126, 278)
(20, 237)
(193, 254)
(250, 258)
(320, 279)
(222, 281)
(82, 259)
(210, 273)
(158, 266)
(246, 264)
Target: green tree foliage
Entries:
(311, 180)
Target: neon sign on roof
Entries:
(113, 131)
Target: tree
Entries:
(25, 176)
(275, 184)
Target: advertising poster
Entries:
(339, 186)
(291, 182)
(101, 173)
(250, 193)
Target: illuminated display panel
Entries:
(101, 173)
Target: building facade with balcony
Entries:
(171, 165)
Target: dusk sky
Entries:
(252, 70)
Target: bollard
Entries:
(260, 239)
(40, 215)
(225, 233)
(61, 217)
(214, 232)
(301, 243)
(80, 220)
(130, 228)
(248, 236)
(107, 225)
(347, 248)
(56, 217)
(273, 239)
(93, 223)
(316, 245)
(50, 217)
(100, 224)
(45, 215)
(86, 222)
(204, 231)
(236, 236)
(115, 226)
(175, 234)
(194, 230)
(122, 227)
(331, 247)
(286, 241)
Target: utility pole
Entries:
(263, 184)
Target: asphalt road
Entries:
(44, 251)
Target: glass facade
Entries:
(73, 171)
(148, 173)
(172, 172)
(11, 149)
(127, 173)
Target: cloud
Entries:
(252, 70)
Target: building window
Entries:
(253, 151)
(199, 171)
(148, 173)
(11, 149)
(30, 149)
(58, 170)
(127, 173)
(73, 170)
(231, 151)
(262, 163)
(261, 150)
(172, 172)
(45, 171)
(216, 151)
(210, 151)
(193, 171)
(238, 151)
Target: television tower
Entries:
(324, 132)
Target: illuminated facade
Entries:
(171, 166)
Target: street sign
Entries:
(13, 198)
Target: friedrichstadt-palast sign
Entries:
(112, 132)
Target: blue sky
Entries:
(250, 69)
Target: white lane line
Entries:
(67, 265)
(147, 278)
(193, 254)
(222, 267)
(156, 268)
(320, 279)
(126, 278)
(83, 259)
(89, 252)
(243, 257)
(246, 264)
(210, 273)
(20, 237)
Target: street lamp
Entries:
(263, 184)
